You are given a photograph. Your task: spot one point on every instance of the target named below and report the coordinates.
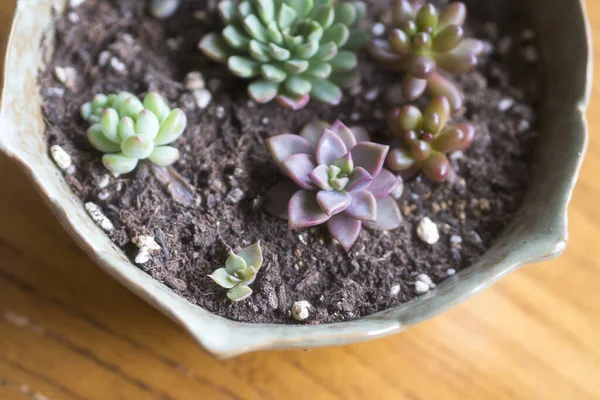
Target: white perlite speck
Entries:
(194, 81)
(99, 217)
(455, 240)
(143, 256)
(118, 65)
(76, 3)
(146, 241)
(102, 181)
(220, 113)
(426, 280)
(66, 75)
(103, 58)
(394, 290)
(451, 271)
(378, 29)
(203, 98)
(61, 157)
(73, 17)
(300, 310)
(421, 287)
(372, 94)
(427, 231)
(506, 104)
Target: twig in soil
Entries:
(160, 237)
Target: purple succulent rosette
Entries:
(341, 178)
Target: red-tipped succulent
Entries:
(424, 42)
(341, 178)
(426, 139)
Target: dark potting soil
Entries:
(113, 45)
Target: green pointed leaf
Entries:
(345, 13)
(344, 61)
(126, 128)
(131, 107)
(265, 10)
(252, 255)
(164, 155)
(322, 3)
(118, 163)
(357, 40)
(86, 110)
(273, 73)
(221, 278)
(274, 33)
(297, 86)
(255, 28)
(292, 42)
(302, 7)
(259, 51)
(215, 47)
(361, 10)
(279, 53)
(263, 91)
(286, 16)
(99, 141)
(226, 11)
(307, 50)
(239, 293)
(172, 128)
(244, 9)
(326, 52)
(338, 34)
(109, 122)
(295, 67)
(234, 263)
(428, 17)
(249, 276)
(147, 124)
(321, 70)
(324, 16)
(243, 67)
(120, 99)
(314, 31)
(137, 146)
(325, 91)
(235, 37)
(157, 104)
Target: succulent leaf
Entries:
(164, 155)
(344, 229)
(239, 293)
(119, 163)
(305, 45)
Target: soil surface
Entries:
(113, 45)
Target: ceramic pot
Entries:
(538, 232)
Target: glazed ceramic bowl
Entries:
(539, 231)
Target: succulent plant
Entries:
(341, 181)
(426, 139)
(293, 50)
(240, 271)
(424, 42)
(129, 130)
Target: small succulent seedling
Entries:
(341, 181)
(293, 50)
(423, 42)
(240, 271)
(129, 130)
(426, 139)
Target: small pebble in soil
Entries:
(103, 195)
(300, 310)
(220, 112)
(528, 34)
(103, 58)
(355, 116)
(143, 256)
(523, 126)
(394, 290)
(194, 81)
(58, 92)
(66, 76)
(378, 29)
(73, 17)
(235, 196)
(372, 94)
(421, 287)
(506, 104)
(76, 3)
(203, 98)
(146, 241)
(505, 45)
(99, 217)
(455, 240)
(102, 181)
(427, 231)
(265, 121)
(62, 158)
(451, 271)
(530, 54)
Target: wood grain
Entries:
(68, 331)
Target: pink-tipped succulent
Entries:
(341, 178)
(427, 139)
(424, 42)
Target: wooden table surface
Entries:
(68, 331)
